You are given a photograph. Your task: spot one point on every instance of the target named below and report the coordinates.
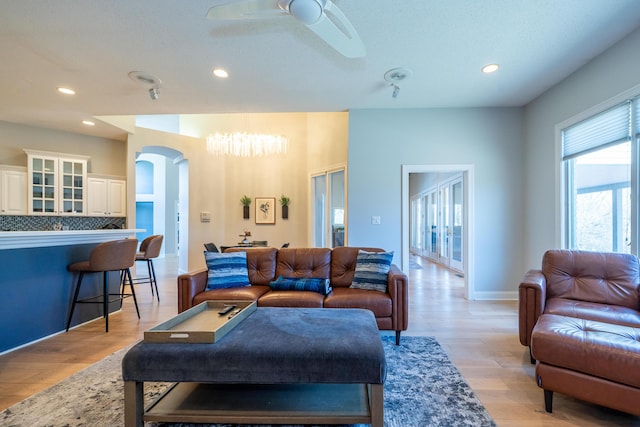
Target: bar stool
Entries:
(116, 255)
(149, 249)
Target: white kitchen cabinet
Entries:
(106, 197)
(56, 183)
(13, 190)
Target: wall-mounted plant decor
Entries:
(284, 201)
(246, 202)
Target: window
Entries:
(599, 155)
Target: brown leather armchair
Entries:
(580, 316)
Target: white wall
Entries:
(216, 184)
(597, 83)
(381, 141)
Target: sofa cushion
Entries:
(303, 262)
(379, 303)
(343, 264)
(606, 278)
(372, 270)
(261, 264)
(226, 270)
(243, 293)
(312, 284)
(306, 299)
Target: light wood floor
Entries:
(479, 336)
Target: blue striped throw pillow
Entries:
(226, 270)
(372, 270)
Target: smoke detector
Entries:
(148, 80)
(396, 75)
(145, 78)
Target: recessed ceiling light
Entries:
(491, 68)
(66, 91)
(88, 123)
(219, 72)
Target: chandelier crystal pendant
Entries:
(243, 144)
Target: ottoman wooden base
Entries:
(259, 404)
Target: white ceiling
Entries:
(278, 65)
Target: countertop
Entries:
(39, 239)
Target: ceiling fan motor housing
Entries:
(306, 11)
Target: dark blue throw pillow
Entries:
(313, 284)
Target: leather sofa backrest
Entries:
(261, 264)
(303, 262)
(343, 264)
(600, 277)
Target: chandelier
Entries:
(243, 144)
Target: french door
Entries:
(328, 191)
(443, 223)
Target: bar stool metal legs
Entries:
(117, 256)
(104, 299)
(149, 249)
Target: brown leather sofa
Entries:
(266, 264)
(580, 316)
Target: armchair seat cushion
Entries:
(603, 350)
(378, 302)
(593, 311)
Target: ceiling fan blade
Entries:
(340, 35)
(246, 9)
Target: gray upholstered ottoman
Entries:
(278, 366)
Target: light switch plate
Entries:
(375, 220)
(205, 216)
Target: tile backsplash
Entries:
(47, 223)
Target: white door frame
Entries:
(468, 177)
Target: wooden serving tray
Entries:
(201, 324)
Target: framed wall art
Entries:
(265, 210)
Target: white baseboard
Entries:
(497, 296)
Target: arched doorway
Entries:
(162, 199)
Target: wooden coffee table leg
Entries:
(133, 404)
(376, 404)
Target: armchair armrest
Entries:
(532, 294)
(398, 289)
(189, 285)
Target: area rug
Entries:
(422, 388)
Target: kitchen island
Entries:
(37, 288)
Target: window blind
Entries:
(636, 116)
(609, 127)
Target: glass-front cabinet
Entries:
(57, 185)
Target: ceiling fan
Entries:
(321, 16)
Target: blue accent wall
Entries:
(37, 291)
